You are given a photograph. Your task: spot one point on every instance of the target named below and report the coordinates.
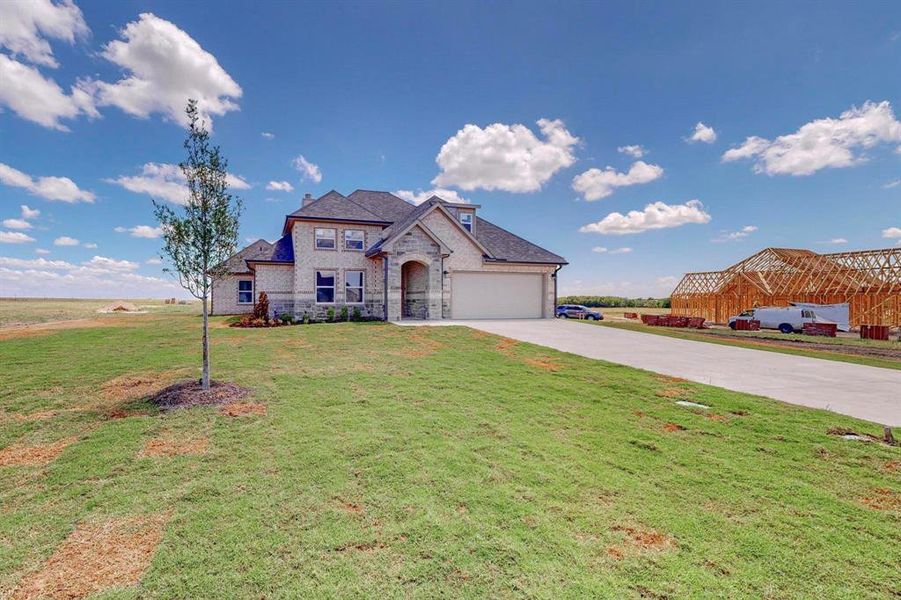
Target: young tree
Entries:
(199, 239)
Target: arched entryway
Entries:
(414, 290)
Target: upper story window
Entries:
(353, 239)
(466, 220)
(325, 239)
(245, 291)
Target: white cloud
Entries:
(635, 151)
(153, 260)
(307, 169)
(822, 143)
(420, 196)
(51, 188)
(892, 184)
(14, 237)
(25, 24)
(146, 231)
(165, 67)
(98, 277)
(90, 245)
(268, 135)
(505, 157)
(732, 236)
(41, 251)
(279, 186)
(29, 213)
(702, 133)
(65, 241)
(654, 216)
(16, 224)
(836, 241)
(891, 233)
(164, 181)
(595, 184)
(40, 99)
(603, 250)
(667, 281)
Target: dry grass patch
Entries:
(418, 345)
(171, 446)
(11, 333)
(140, 385)
(506, 345)
(673, 392)
(40, 454)
(544, 363)
(96, 557)
(243, 409)
(673, 427)
(639, 540)
(883, 499)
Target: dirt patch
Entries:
(36, 329)
(801, 343)
(169, 446)
(673, 392)
(96, 557)
(669, 379)
(40, 454)
(121, 307)
(544, 363)
(883, 499)
(850, 434)
(672, 427)
(419, 345)
(506, 345)
(639, 540)
(243, 409)
(716, 417)
(892, 466)
(352, 507)
(366, 547)
(189, 393)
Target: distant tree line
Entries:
(615, 301)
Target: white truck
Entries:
(787, 319)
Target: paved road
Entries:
(869, 393)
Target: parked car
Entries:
(787, 319)
(577, 311)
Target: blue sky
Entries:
(558, 119)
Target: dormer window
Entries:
(466, 220)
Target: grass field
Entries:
(874, 353)
(429, 462)
(27, 311)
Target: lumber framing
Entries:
(868, 280)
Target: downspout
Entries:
(555, 288)
(385, 287)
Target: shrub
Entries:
(287, 319)
(330, 314)
(356, 314)
(261, 308)
(343, 315)
(306, 319)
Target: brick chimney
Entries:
(307, 198)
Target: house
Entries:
(390, 259)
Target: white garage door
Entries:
(496, 295)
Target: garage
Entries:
(483, 295)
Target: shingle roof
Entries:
(257, 250)
(282, 251)
(509, 247)
(386, 205)
(335, 206)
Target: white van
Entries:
(786, 319)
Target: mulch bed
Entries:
(189, 393)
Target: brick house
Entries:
(391, 260)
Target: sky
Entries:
(638, 140)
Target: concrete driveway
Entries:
(869, 393)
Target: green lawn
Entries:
(842, 349)
(435, 462)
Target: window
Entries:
(353, 239)
(353, 287)
(325, 287)
(466, 220)
(808, 314)
(245, 291)
(325, 239)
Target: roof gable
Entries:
(258, 249)
(399, 228)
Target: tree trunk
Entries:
(205, 377)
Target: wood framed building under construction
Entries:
(868, 280)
